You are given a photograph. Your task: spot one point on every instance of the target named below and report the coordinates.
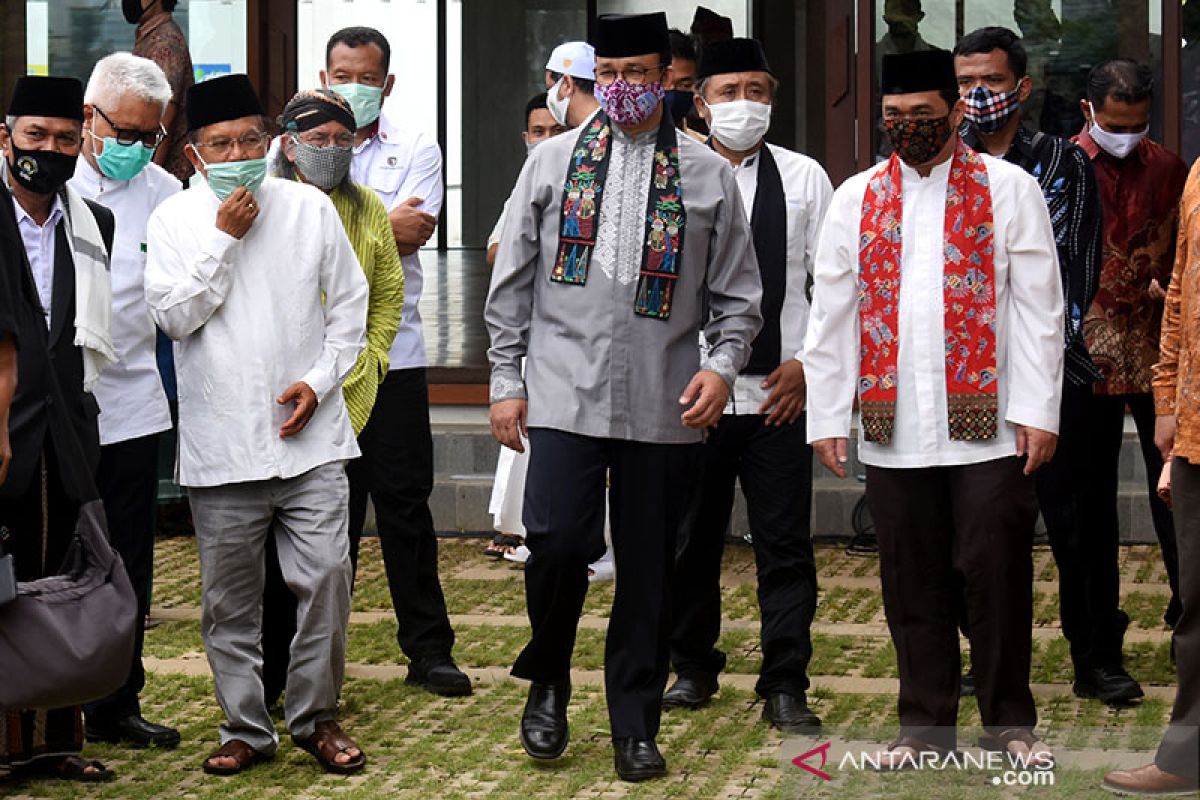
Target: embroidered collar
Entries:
(666, 216)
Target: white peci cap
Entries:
(577, 59)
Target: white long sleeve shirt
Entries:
(399, 164)
(1029, 321)
(130, 392)
(807, 192)
(39, 249)
(248, 320)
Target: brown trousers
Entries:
(1179, 753)
(943, 530)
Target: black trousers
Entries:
(564, 522)
(1086, 555)
(34, 555)
(1179, 752)
(396, 472)
(774, 465)
(128, 483)
(945, 533)
(1106, 429)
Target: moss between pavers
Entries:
(177, 580)
(868, 657)
(421, 746)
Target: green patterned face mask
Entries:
(365, 101)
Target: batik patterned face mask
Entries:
(917, 141)
(630, 104)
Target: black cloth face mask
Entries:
(41, 171)
(133, 11)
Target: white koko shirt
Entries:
(1029, 321)
(397, 165)
(248, 321)
(130, 392)
(807, 192)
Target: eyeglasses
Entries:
(252, 142)
(634, 74)
(315, 139)
(128, 136)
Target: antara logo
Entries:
(823, 752)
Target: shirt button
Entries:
(49, 400)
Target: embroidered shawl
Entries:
(666, 217)
(969, 297)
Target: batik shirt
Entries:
(1140, 194)
(1068, 185)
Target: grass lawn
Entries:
(421, 746)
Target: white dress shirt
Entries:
(130, 392)
(807, 191)
(39, 248)
(248, 320)
(1029, 321)
(398, 165)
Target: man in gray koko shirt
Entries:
(624, 238)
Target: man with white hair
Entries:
(124, 104)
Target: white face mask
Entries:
(1117, 145)
(739, 124)
(530, 146)
(558, 108)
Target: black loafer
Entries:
(791, 714)
(690, 691)
(132, 730)
(439, 677)
(1111, 685)
(638, 760)
(544, 731)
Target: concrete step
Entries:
(465, 461)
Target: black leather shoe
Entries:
(544, 730)
(638, 760)
(1111, 685)
(132, 730)
(690, 691)
(439, 677)
(791, 714)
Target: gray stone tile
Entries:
(443, 504)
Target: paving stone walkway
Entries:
(422, 746)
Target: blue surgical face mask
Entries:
(365, 101)
(121, 162)
(225, 176)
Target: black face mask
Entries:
(41, 171)
(679, 102)
(132, 9)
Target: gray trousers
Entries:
(1179, 752)
(307, 515)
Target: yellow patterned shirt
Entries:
(370, 233)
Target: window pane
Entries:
(1191, 80)
(67, 37)
(1063, 38)
(502, 49)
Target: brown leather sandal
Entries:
(74, 768)
(326, 742)
(891, 761)
(245, 756)
(1037, 756)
